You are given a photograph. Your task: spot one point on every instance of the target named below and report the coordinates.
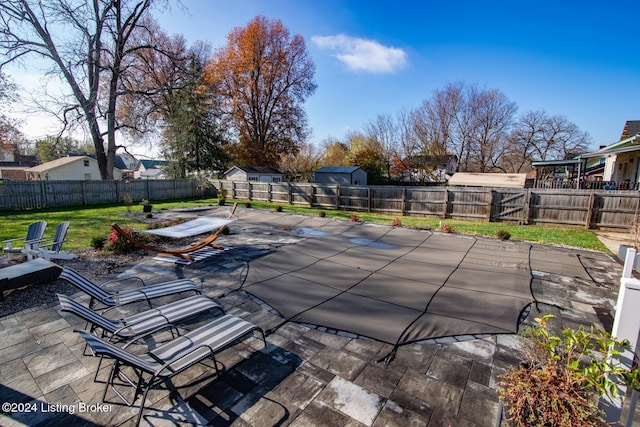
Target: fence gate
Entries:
(507, 205)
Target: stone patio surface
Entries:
(305, 376)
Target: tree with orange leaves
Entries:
(264, 75)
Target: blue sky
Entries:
(573, 58)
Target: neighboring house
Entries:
(253, 173)
(13, 164)
(621, 162)
(614, 166)
(429, 168)
(153, 174)
(69, 168)
(151, 169)
(341, 175)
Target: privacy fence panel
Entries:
(48, 194)
(510, 205)
(560, 207)
(588, 208)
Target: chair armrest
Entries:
(9, 242)
(167, 365)
(122, 280)
(13, 240)
(151, 332)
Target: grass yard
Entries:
(90, 222)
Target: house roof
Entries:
(153, 164)
(510, 180)
(154, 173)
(264, 170)
(59, 162)
(426, 159)
(624, 146)
(338, 169)
(631, 128)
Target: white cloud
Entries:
(362, 54)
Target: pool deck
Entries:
(305, 376)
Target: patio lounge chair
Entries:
(35, 231)
(190, 228)
(152, 320)
(114, 298)
(170, 358)
(51, 248)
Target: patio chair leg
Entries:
(144, 399)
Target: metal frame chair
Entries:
(169, 359)
(126, 296)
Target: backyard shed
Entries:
(504, 180)
(253, 173)
(341, 175)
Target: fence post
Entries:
(290, 192)
(249, 189)
(45, 196)
(587, 221)
(527, 206)
(84, 192)
(337, 196)
(489, 205)
(369, 199)
(268, 192)
(445, 205)
(404, 201)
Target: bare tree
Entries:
(385, 130)
(87, 44)
(466, 121)
(537, 136)
(301, 166)
(492, 115)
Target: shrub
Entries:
(354, 218)
(278, 208)
(503, 235)
(98, 242)
(562, 376)
(322, 214)
(116, 243)
(128, 201)
(446, 228)
(395, 222)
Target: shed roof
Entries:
(511, 180)
(257, 169)
(338, 169)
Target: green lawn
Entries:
(87, 223)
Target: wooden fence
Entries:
(48, 194)
(588, 208)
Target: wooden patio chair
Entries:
(35, 231)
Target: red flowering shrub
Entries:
(118, 244)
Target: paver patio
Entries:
(307, 375)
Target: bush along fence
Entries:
(21, 195)
(588, 208)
